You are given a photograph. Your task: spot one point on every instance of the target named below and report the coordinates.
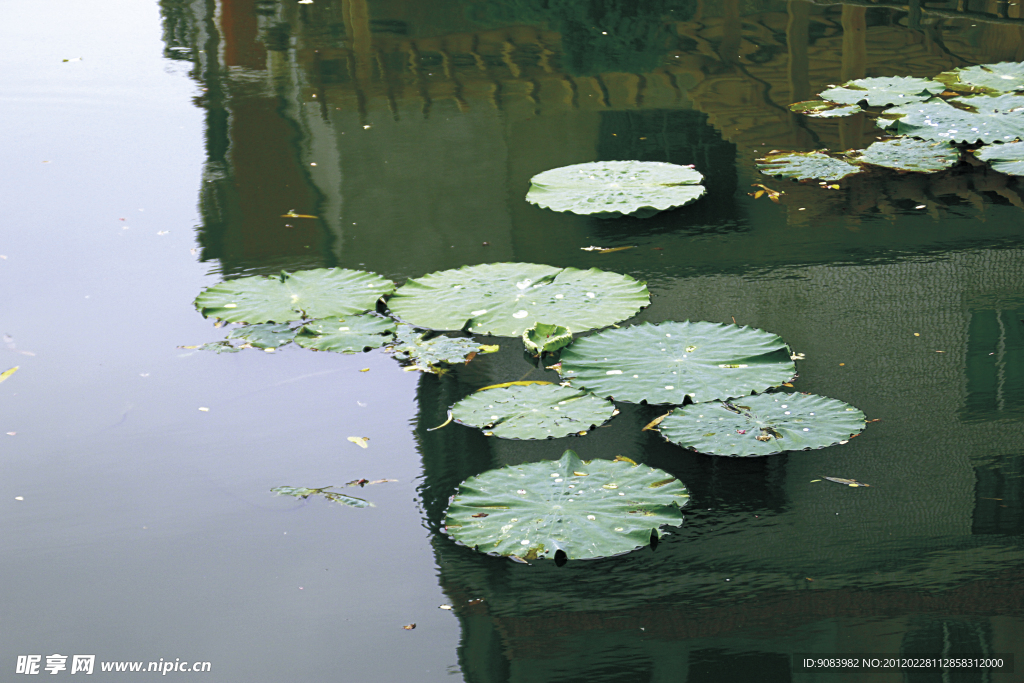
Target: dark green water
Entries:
(138, 527)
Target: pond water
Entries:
(153, 150)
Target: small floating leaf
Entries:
(429, 352)
(878, 92)
(805, 166)
(768, 424)
(539, 515)
(536, 411)
(264, 335)
(847, 482)
(7, 373)
(359, 440)
(609, 189)
(824, 110)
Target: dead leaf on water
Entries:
(409, 627)
(655, 422)
(444, 607)
(608, 251)
(7, 373)
(359, 440)
(381, 481)
(365, 370)
(772, 194)
(622, 458)
(358, 482)
(846, 482)
(291, 214)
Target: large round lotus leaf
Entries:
(989, 119)
(504, 299)
(615, 188)
(319, 293)
(351, 334)
(763, 424)
(988, 79)
(909, 154)
(806, 165)
(669, 362)
(583, 509)
(533, 411)
(824, 110)
(1006, 158)
(878, 92)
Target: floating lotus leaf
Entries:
(824, 110)
(504, 299)
(533, 411)
(669, 362)
(878, 92)
(988, 79)
(909, 154)
(1006, 158)
(989, 119)
(568, 510)
(264, 335)
(428, 352)
(806, 165)
(543, 338)
(763, 424)
(319, 293)
(351, 334)
(616, 188)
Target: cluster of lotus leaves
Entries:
(979, 105)
(608, 189)
(565, 510)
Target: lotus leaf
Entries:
(428, 352)
(264, 335)
(989, 119)
(533, 411)
(607, 189)
(988, 79)
(909, 154)
(505, 299)
(351, 334)
(1006, 158)
(824, 110)
(319, 293)
(806, 165)
(669, 362)
(543, 338)
(568, 510)
(763, 424)
(878, 92)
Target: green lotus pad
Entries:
(1006, 158)
(673, 361)
(984, 118)
(763, 424)
(987, 79)
(878, 92)
(505, 299)
(319, 293)
(565, 510)
(824, 110)
(909, 154)
(805, 166)
(351, 334)
(533, 411)
(427, 352)
(608, 189)
(264, 335)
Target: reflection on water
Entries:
(410, 131)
